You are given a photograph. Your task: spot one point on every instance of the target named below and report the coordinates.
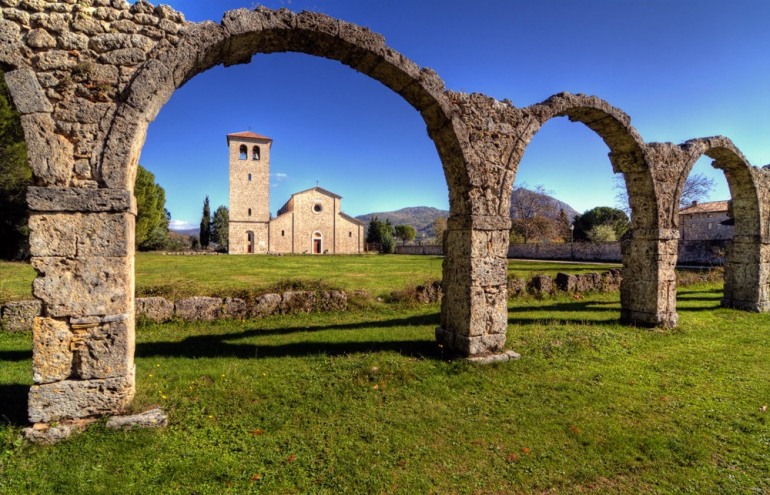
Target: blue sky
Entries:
(680, 68)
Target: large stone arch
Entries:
(647, 295)
(90, 78)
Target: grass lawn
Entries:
(180, 276)
(363, 402)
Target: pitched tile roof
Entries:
(710, 207)
(247, 135)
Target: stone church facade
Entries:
(311, 221)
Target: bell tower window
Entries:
(255, 153)
(243, 151)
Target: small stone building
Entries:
(311, 221)
(710, 221)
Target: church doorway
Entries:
(317, 243)
(249, 242)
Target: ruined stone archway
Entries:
(647, 295)
(747, 257)
(88, 77)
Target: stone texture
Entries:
(45, 434)
(298, 302)
(103, 349)
(198, 308)
(154, 418)
(334, 300)
(54, 199)
(266, 304)
(235, 308)
(78, 234)
(541, 285)
(51, 350)
(94, 285)
(79, 398)
(19, 316)
(157, 309)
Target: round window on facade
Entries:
(318, 208)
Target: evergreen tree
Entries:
(205, 231)
(15, 177)
(219, 227)
(152, 217)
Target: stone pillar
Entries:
(648, 288)
(82, 244)
(474, 312)
(747, 274)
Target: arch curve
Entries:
(243, 33)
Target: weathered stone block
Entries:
(51, 352)
(155, 309)
(298, 302)
(19, 316)
(266, 304)
(154, 418)
(27, 94)
(71, 399)
(566, 282)
(75, 199)
(198, 308)
(84, 286)
(541, 285)
(78, 234)
(335, 300)
(235, 308)
(105, 350)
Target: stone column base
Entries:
(482, 348)
(643, 319)
(753, 306)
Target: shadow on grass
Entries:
(217, 346)
(15, 355)
(13, 404)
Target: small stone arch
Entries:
(746, 277)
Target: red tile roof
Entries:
(710, 207)
(248, 135)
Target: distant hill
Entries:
(526, 198)
(188, 232)
(422, 217)
(419, 217)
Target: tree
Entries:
(219, 227)
(601, 215)
(439, 227)
(382, 234)
(151, 215)
(697, 187)
(405, 233)
(15, 177)
(533, 215)
(205, 229)
(602, 233)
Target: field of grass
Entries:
(364, 402)
(180, 276)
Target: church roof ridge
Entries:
(248, 135)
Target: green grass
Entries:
(363, 402)
(180, 276)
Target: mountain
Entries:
(422, 217)
(525, 203)
(419, 217)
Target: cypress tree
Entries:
(205, 232)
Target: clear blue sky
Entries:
(680, 68)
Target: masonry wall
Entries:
(249, 195)
(238, 240)
(704, 227)
(350, 236)
(281, 234)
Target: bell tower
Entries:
(249, 192)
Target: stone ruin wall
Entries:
(87, 77)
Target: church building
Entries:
(311, 221)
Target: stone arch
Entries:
(746, 276)
(647, 288)
(244, 33)
(627, 149)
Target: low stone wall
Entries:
(578, 251)
(429, 249)
(711, 253)
(18, 316)
(545, 285)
